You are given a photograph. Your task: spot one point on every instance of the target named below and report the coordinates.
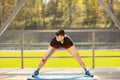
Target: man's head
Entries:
(60, 35)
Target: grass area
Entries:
(60, 62)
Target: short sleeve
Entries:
(52, 42)
(69, 41)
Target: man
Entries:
(61, 40)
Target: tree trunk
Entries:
(3, 12)
(70, 12)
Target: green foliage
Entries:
(70, 14)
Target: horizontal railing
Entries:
(92, 43)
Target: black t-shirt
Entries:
(66, 44)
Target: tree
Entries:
(69, 14)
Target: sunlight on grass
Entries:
(60, 62)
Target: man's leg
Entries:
(48, 53)
(76, 55)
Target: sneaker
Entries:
(88, 73)
(35, 73)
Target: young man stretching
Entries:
(61, 40)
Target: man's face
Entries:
(59, 38)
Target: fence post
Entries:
(93, 49)
(22, 48)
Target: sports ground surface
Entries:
(22, 74)
(60, 62)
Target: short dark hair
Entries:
(60, 32)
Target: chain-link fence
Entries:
(40, 39)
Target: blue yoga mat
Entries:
(62, 77)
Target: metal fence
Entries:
(92, 39)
